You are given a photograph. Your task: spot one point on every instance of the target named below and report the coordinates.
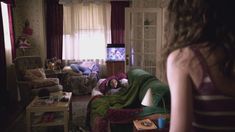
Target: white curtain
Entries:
(86, 30)
(7, 39)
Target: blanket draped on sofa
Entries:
(98, 107)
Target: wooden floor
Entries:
(10, 115)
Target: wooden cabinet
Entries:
(114, 67)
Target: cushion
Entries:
(86, 72)
(34, 74)
(88, 64)
(83, 69)
(38, 83)
(75, 67)
(124, 82)
(71, 72)
(79, 68)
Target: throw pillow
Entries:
(38, 83)
(33, 74)
(88, 64)
(87, 72)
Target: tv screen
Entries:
(116, 52)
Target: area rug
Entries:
(79, 107)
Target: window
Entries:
(86, 30)
(6, 30)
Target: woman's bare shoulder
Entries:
(181, 58)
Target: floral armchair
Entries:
(83, 76)
(31, 78)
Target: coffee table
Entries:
(49, 112)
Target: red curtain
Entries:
(12, 35)
(118, 21)
(54, 29)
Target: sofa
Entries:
(106, 111)
(82, 75)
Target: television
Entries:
(116, 52)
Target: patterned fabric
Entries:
(82, 84)
(34, 74)
(213, 111)
(83, 75)
(38, 83)
(26, 62)
(27, 89)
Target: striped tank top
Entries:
(213, 111)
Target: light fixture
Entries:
(148, 98)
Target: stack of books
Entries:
(145, 124)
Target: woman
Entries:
(200, 65)
(113, 86)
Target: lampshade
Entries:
(148, 98)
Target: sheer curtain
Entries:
(86, 30)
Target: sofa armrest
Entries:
(121, 116)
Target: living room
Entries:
(34, 19)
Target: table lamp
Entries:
(147, 101)
(148, 98)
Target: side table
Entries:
(154, 118)
(41, 106)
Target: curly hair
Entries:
(109, 83)
(192, 22)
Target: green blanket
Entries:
(139, 81)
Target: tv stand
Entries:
(114, 67)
